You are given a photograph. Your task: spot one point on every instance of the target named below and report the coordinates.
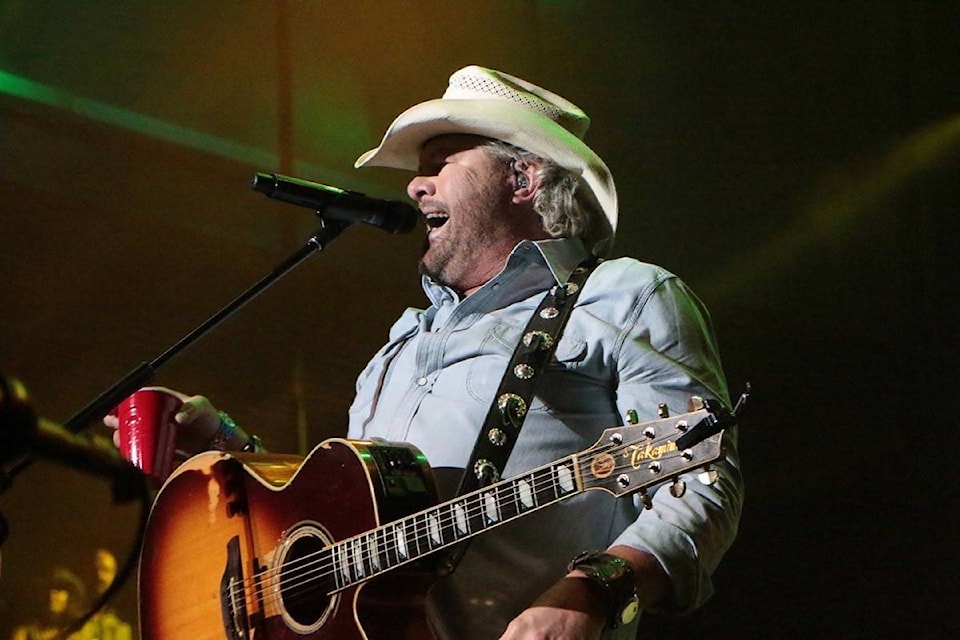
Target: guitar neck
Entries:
(625, 459)
(368, 555)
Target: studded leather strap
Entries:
(531, 356)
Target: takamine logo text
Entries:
(638, 455)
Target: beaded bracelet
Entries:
(225, 430)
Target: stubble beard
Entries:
(450, 261)
(444, 262)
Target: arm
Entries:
(667, 353)
(576, 607)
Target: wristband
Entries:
(615, 578)
(225, 430)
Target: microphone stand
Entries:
(137, 378)
(111, 397)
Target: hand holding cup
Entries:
(157, 426)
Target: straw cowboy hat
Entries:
(496, 105)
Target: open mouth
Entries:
(436, 219)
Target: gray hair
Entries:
(567, 210)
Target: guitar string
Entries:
(306, 570)
(295, 588)
(292, 593)
(422, 529)
(413, 528)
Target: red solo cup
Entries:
(148, 432)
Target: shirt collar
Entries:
(560, 255)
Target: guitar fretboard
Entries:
(363, 557)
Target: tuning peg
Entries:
(645, 500)
(632, 417)
(708, 476)
(678, 488)
(696, 403)
(662, 410)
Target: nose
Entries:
(420, 187)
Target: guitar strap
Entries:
(514, 396)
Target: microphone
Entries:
(22, 432)
(336, 204)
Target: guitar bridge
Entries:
(233, 601)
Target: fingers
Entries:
(186, 414)
(196, 409)
(197, 419)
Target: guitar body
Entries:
(231, 539)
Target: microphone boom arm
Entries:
(135, 379)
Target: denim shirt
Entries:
(636, 338)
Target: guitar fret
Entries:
(526, 493)
(564, 479)
(373, 552)
(454, 520)
(426, 532)
(388, 550)
(544, 487)
(460, 520)
(475, 518)
(448, 527)
(434, 530)
(356, 559)
(507, 499)
(343, 566)
(491, 512)
(400, 542)
(413, 532)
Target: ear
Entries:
(526, 184)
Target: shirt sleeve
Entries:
(667, 354)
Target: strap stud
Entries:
(524, 371)
(497, 436)
(537, 340)
(485, 471)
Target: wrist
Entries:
(612, 581)
(230, 437)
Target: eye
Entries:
(431, 169)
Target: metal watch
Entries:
(615, 578)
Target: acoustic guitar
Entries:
(335, 546)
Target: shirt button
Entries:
(421, 382)
(496, 285)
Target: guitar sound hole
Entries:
(304, 582)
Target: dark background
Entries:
(795, 162)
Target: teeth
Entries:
(436, 219)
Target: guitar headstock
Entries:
(635, 456)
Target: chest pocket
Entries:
(488, 365)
